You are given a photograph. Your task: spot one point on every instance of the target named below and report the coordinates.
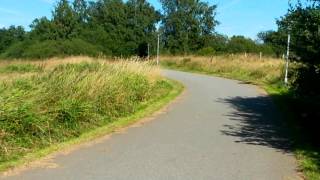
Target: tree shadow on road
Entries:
(257, 123)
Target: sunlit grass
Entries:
(68, 97)
(246, 68)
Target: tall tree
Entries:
(42, 29)
(64, 21)
(129, 25)
(277, 40)
(187, 24)
(303, 23)
(142, 19)
(80, 8)
(111, 15)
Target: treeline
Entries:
(109, 27)
(118, 28)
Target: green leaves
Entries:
(302, 22)
(64, 21)
(10, 36)
(187, 24)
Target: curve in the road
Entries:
(220, 129)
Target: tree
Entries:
(111, 16)
(241, 44)
(80, 8)
(277, 40)
(42, 29)
(10, 36)
(187, 24)
(142, 18)
(219, 43)
(129, 26)
(303, 23)
(64, 21)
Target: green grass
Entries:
(267, 74)
(75, 103)
(20, 68)
(309, 160)
(249, 69)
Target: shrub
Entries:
(206, 51)
(51, 48)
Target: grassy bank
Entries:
(249, 69)
(65, 102)
(267, 73)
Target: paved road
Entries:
(220, 129)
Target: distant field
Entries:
(246, 68)
(43, 103)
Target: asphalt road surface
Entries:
(219, 129)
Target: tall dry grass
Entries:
(65, 98)
(247, 68)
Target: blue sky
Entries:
(237, 17)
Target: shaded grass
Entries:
(306, 151)
(39, 114)
(266, 73)
(309, 160)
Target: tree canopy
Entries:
(187, 25)
(303, 23)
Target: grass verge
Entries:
(149, 108)
(74, 103)
(266, 73)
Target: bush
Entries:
(16, 50)
(306, 82)
(206, 51)
(51, 48)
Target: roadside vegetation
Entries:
(61, 100)
(247, 68)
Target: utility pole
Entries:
(158, 48)
(288, 53)
(287, 59)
